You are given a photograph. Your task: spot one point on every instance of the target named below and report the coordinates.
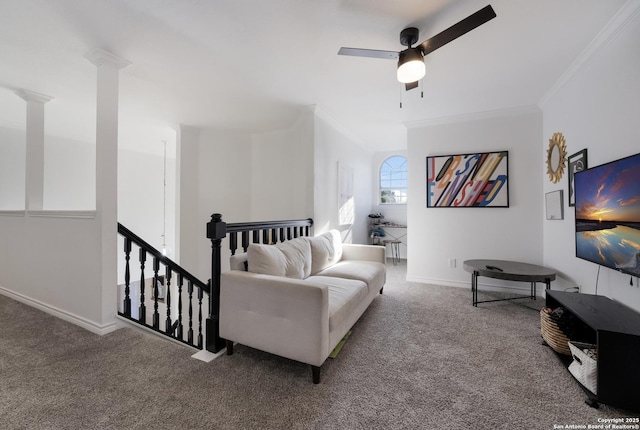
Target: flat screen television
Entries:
(607, 203)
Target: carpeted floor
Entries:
(421, 357)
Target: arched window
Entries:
(393, 180)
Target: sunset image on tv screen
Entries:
(607, 202)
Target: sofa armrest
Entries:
(373, 253)
(283, 316)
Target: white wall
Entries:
(54, 264)
(331, 147)
(282, 172)
(277, 175)
(141, 195)
(12, 168)
(439, 234)
(187, 195)
(70, 180)
(69, 174)
(52, 260)
(66, 278)
(597, 107)
(224, 178)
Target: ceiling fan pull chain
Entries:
(401, 92)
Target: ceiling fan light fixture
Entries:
(411, 66)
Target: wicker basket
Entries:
(552, 334)
(584, 366)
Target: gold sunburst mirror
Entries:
(556, 157)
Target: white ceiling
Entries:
(251, 65)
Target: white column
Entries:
(109, 67)
(34, 168)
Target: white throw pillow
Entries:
(326, 250)
(291, 259)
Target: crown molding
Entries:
(627, 13)
(333, 122)
(182, 128)
(475, 116)
(100, 57)
(32, 96)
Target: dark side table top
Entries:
(510, 270)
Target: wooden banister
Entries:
(173, 329)
(166, 261)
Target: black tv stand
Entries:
(616, 330)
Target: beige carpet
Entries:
(420, 358)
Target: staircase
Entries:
(156, 290)
(159, 294)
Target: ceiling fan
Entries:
(411, 61)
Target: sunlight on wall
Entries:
(346, 206)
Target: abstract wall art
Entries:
(478, 179)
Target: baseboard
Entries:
(511, 289)
(443, 282)
(200, 355)
(59, 313)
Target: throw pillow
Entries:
(326, 250)
(291, 259)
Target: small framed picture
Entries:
(553, 203)
(577, 163)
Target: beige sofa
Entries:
(297, 299)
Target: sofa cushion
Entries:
(326, 250)
(345, 295)
(291, 259)
(371, 273)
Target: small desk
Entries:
(510, 271)
(384, 226)
(395, 241)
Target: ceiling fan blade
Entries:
(466, 25)
(371, 53)
(410, 85)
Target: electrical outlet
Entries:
(452, 263)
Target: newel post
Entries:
(216, 231)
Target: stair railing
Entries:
(168, 278)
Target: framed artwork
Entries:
(479, 179)
(577, 163)
(553, 204)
